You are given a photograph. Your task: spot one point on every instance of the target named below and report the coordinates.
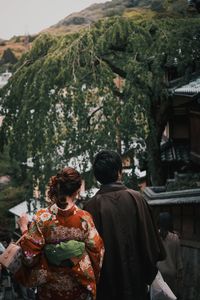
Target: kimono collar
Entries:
(63, 212)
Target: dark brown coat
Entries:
(132, 243)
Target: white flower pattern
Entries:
(64, 233)
(85, 263)
(54, 209)
(45, 216)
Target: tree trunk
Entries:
(154, 165)
(155, 174)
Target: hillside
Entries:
(72, 23)
(77, 21)
(129, 8)
(16, 46)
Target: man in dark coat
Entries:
(125, 223)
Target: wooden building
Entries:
(181, 159)
(181, 146)
(180, 154)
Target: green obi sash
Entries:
(59, 253)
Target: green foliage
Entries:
(157, 5)
(5, 165)
(12, 192)
(114, 12)
(62, 102)
(131, 180)
(8, 57)
(9, 196)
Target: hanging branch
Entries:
(114, 68)
(92, 114)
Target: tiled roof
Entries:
(191, 88)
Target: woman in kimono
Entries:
(61, 222)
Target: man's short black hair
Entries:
(165, 221)
(106, 166)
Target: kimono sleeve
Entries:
(34, 270)
(32, 243)
(94, 246)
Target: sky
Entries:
(20, 17)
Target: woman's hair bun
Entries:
(65, 183)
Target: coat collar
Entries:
(111, 187)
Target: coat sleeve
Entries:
(150, 242)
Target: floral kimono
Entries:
(51, 226)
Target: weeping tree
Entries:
(54, 107)
(63, 103)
